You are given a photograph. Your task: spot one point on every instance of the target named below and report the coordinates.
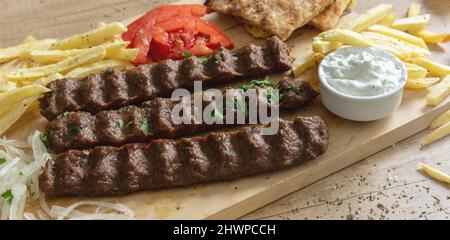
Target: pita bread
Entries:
(330, 17)
(279, 17)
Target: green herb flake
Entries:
(238, 104)
(264, 83)
(2, 160)
(217, 114)
(292, 88)
(120, 123)
(204, 60)
(109, 71)
(8, 196)
(44, 140)
(21, 173)
(187, 54)
(217, 59)
(124, 124)
(144, 126)
(274, 97)
(84, 162)
(74, 130)
(66, 114)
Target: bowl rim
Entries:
(381, 52)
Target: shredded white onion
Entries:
(19, 181)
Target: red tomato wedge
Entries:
(168, 32)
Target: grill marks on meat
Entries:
(118, 127)
(168, 163)
(113, 89)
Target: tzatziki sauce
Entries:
(361, 71)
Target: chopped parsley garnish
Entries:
(238, 104)
(265, 83)
(217, 114)
(83, 162)
(66, 114)
(21, 173)
(8, 196)
(217, 59)
(204, 60)
(274, 97)
(74, 130)
(144, 126)
(292, 88)
(2, 160)
(187, 54)
(44, 140)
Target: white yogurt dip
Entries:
(361, 71)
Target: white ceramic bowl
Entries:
(358, 108)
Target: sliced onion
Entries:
(21, 176)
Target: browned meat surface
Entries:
(131, 124)
(170, 163)
(114, 89)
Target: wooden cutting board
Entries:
(349, 141)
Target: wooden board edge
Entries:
(296, 183)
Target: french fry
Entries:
(416, 71)
(17, 110)
(434, 173)
(17, 95)
(51, 56)
(435, 68)
(48, 79)
(67, 64)
(439, 92)
(416, 23)
(432, 37)
(441, 120)
(29, 39)
(398, 34)
(346, 37)
(415, 50)
(437, 134)
(99, 67)
(414, 10)
(421, 83)
(324, 47)
(128, 54)
(6, 86)
(400, 53)
(8, 54)
(389, 20)
(91, 38)
(303, 64)
(371, 17)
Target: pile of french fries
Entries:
(27, 68)
(406, 38)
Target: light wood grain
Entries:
(58, 18)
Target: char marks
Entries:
(169, 163)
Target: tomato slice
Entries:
(163, 13)
(216, 37)
(169, 31)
